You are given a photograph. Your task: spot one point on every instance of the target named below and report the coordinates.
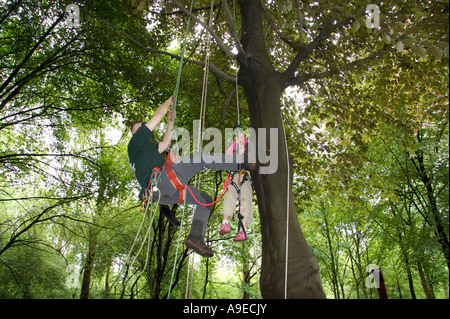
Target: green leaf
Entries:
(387, 39)
(419, 51)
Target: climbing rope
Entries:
(202, 117)
(178, 246)
(205, 77)
(287, 213)
(202, 124)
(236, 76)
(177, 87)
(147, 238)
(189, 276)
(180, 69)
(256, 259)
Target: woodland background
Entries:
(369, 146)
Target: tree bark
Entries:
(245, 279)
(89, 265)
(407, 268)
(93, 237)
(263, 88)
(425, 283)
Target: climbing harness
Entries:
(153, 186)
(171, 174)
(238, 192)
(156, 176)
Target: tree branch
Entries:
(329, 28)
(3, 158)
(33, 221)
(231, 22)
(212, 67)
(42, 197)
(27, 57)
(217, 4)
(274, 27)
(219, 41)
(307, 76)
(300, 23)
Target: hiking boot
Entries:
(224, 229)
(241, 236)
(197, 244)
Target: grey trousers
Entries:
(185, 169)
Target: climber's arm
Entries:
(165, 143)
(159, 114)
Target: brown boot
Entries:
(197, 244)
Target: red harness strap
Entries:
(182, 188)
(225, 189)
(173, 177)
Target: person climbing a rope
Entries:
(146, 160)
(240, 191)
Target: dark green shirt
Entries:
(143, 156)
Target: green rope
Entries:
(180, 68)
(177, 87)
(178, 246)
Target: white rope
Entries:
(187, 294)
(287, 213)
(147, 235)
(255, 254)
(202, 116)
(190, 276)
(205, 76)
(149, 241)
(237, 97)
(236, 76)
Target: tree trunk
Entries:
(89, 265)
(435, 214)
(399, 288)
(245, 279)
(355, 277)
(408, 273)
(206, 279)
(263, 88)
(93, 239)
(108, 274)
(425, 284)
(359, 264)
